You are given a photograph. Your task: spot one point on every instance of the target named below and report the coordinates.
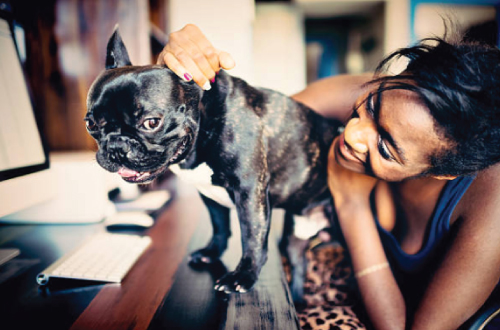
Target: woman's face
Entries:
(390, 136)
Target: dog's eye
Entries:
(151, 124)
(90, 124)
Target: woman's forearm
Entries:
(380, 293)
(334, 97)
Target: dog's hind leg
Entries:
(219, 215)
(295, 252)
(297, 231)
(293, 249)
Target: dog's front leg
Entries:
(253, 209)
(219, 215)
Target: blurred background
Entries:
(282, 45)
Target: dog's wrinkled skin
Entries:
(265, 149)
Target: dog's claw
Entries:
(203, 257)
(240, 289)
(237, 281)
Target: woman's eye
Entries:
(384, 151)
(151, 124)
(370, 107)
(90, 124)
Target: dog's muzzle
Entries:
(121, 149)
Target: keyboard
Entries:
(106, 257)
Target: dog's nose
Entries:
(117, 147)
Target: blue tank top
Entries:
(414, 271)
(437, 229)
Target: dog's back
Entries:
(291, 139)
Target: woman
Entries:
(414, 176)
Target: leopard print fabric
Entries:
(327, 291)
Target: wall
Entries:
(397, 31)
(429, 17)
(279, 48)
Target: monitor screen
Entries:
(21, 148)
(25, 179)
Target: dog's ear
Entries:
(116, 53)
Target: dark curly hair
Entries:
(460, 85)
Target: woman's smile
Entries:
(346, 152)
(344, 155)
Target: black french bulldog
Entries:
(259, 148)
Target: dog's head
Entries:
(144, 118)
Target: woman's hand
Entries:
(192, 57)
(347, 187)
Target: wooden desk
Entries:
(160, 292)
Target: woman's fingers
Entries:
(217, 59)
(194, 62)
(174, 65)
(191, 56)
(226, 61)
(187, 48)
(204, 46)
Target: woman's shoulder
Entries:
(481, 201)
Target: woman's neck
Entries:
(415, 192)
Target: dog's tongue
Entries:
(126, 173)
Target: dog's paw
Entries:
(237, 281)
(203, 257)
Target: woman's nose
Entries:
(357, 133)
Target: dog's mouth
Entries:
(134, 176)
(138, 177)
(181, 150)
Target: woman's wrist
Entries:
(350, 203)
(353, 211)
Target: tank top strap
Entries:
(450, 196)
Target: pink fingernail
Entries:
(188, 77)
(212, 80)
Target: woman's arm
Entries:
(334, 97)
(381, 295)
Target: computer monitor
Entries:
(25, 179)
